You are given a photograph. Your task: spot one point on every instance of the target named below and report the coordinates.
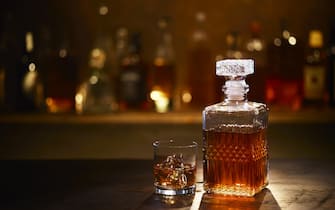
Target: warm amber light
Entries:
(159, 61)
(237, 54)
(156, 95)
(161, 100)
(79, 98)
(162, 105)
(277, 42)
(292, 40)
(186, 97)
(103, 10)
(94, 80)
(29, 42)
(49, 101)
(62, 53)
(32, 67)
(286, 34)
(51, 105)
(29, 81)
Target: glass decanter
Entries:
(234, 136)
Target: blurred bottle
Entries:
(2, 85)
(3, 66)
(199, 90)
(162, 78)
(256, 49)
(61, 77)
(96, 94)
(104, 41)
(31, 89)
(10, 55)
(284, 81)
(331, 65)
(133, 77)
(121, 51)
(314, 73)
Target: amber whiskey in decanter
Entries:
(234, 136)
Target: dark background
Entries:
(78, 21)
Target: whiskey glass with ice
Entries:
(174, 167)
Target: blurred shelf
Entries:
(112, 118)
(303, 116)
(194, 117)
(303, 134)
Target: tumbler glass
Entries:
(175, 167)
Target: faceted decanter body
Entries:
(234, 136)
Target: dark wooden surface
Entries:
(127, 184)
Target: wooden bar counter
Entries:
(59, 162)
(127, 184)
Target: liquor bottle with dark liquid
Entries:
(234, 134)
(132, 81)
(61, 65)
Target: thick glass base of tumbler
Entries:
(184, 191)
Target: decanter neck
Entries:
(235, 89)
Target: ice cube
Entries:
(176, 170)
(174, 161)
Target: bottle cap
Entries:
(234, 67)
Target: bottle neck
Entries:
(235, 89)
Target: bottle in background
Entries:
(163, 75)
(105, 42)
(3, 66)
(61, 76)
(256, 49)
(133, 77)
(285, 61)
(10, 55)
(199, 89)
(331, 65)
(314, 74)
(121, 51)
(31, 89)
(96, 94)
(2, 85)
(234, 133)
